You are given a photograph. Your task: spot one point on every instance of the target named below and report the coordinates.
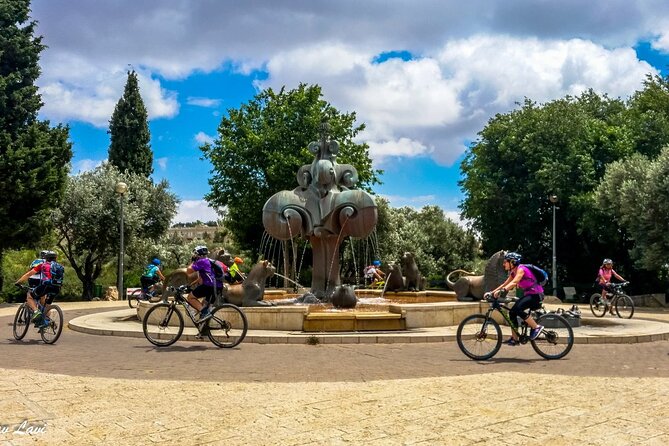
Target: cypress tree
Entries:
(34, 157)
(129, 150)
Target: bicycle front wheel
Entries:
(228, 326)
(556, 339)
(479, 337)
(624, 306)
(134, 298)
(54, 319)
(21, 322)
(163, 324)
(597, 306)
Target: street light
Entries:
(553, 199)
(121, 188)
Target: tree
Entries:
(635, 192)
(34, 157)
(129, 149)
(523, 157)
(261, 146)
(87, 222)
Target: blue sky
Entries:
(424, 76)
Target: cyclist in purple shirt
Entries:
(205, 289)
(520, 276)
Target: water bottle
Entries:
(192, 311)
(519, 321)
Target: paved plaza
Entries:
(89, 389)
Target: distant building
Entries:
(196, 232)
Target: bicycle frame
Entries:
(500, 307)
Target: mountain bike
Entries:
(616, 300)
(49, 326)
(479, 336)
(163, 324)
(155, 294)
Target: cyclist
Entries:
(604, 279)
(151, 276)
(520, 276)
(374, 274)
(235, 275)
(35, 279)
(46, 290)
(205, 289)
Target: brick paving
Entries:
(89, 389)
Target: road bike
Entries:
(163, 323)
(155, 294)
(49, 326)
(479, 336)
(616, 300)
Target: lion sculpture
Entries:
(469, 286)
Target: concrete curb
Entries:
(121, 323)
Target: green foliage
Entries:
(261, 146)
(87, 223)
(129, 149)
(34, 158)
(635, 191)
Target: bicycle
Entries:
(621, 302)
(163, 324)
(154, 295)
(52, 320)
(479, 336)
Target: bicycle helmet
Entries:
(376, 263)
(201, 251)
(607, 262)
(50, 255)
(239, 260)
(513, 257)
(42, 253)
(156, 261)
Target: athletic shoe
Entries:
(511, 342)
(536, 331)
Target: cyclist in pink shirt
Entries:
(604, 278)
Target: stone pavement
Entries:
(105, 390)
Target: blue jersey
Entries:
(151, 271)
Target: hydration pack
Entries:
(218, 268)
(539, 274)
(57, 273)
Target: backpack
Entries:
(57, 273)
(149, 271)
(539, 274)
(218, 268)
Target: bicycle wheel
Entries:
(163, 325)
(228, 326)
(21, 322)
(556, 340)
(52, 331)
(134, 298)
(597, 307)
(479, 337)
(624, 306)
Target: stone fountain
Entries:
(323, 209)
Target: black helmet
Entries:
(42, 253)
(201, 251)
(513, 257)
(50, 255)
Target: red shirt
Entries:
(44, 269)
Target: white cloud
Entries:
(203, 102)
(416, 202)
(85, 165)
(203, 138)
(162, 163)
(192, 210)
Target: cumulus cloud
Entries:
(203, 138)
(86, 165)
(162, 163)
(192, 210)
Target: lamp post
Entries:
(121, 189)
(553, 199)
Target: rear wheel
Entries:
(228, 326)
(163, 324)
(556, 339)
(54, 318)
(624, 306)
(479, 337)
(21, 322)
(597, 305)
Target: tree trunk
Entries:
(87, 292)
(2, 271)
